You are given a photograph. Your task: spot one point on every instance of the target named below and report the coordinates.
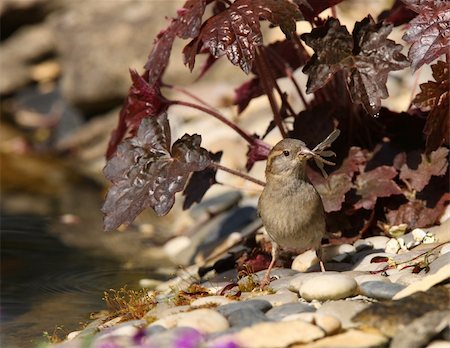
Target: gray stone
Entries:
(260, 305)
(362, 244)
(380, 290)
(344, 310)
(280, 298)
(278, 313)
(215, 205)
(437, 264)
(282, 283)
(277, 273)
(420, 332)
(169, 338)
(248, 316)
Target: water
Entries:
(45, 285)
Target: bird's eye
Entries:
(286, 153)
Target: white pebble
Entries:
(418, 234)
(393, 246)
(328, 287)
(211, 300)
(304, 261)
(379, 242)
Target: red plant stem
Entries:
(189, 94)
(274, 82)
(290, 75)
(265, 76)
(237, 173)
(217, 115)
(333, 11)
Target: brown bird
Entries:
(290, 207)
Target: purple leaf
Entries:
(185, 25)
(434, 97)
(257, 151)
(436, 164)
(428, 32)
(236, 32)
(376, 183)
(200, 182)
(366, 57)
(145, 172)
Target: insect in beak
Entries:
(305, 153)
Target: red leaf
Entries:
(366, 57)
(428, 32)
(375, 183)
(246, 92)
(436, 164)
(434, 97)
(143, 100)
(257, 151)
(145, 172)
(355, 162)
(379, 259)
(235, 32)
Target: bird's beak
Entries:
(306, 153)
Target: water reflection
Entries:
(45, 284)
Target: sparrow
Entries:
(290, 207)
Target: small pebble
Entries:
(258, 304)
(277, 334)
(380, 290)
(371, 277)
(204, 320)
(338, 252)
(345, 310)
(278, 313)
(327, 323)
(246, 317)
(297, 281)
(279, 299)
(362, 244)
(280, 284)
(305, 261)
(211, 300)
(328, 287)
(378, 242)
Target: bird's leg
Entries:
(319, 254)
(266, 279)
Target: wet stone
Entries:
(260, 305)
(278, 313)
(246, 317)
(380, 290)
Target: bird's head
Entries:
(288, 158)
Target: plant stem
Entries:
(217, 115)
(290, 75)
(265, 79)
(237, 173)
(190, 95)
